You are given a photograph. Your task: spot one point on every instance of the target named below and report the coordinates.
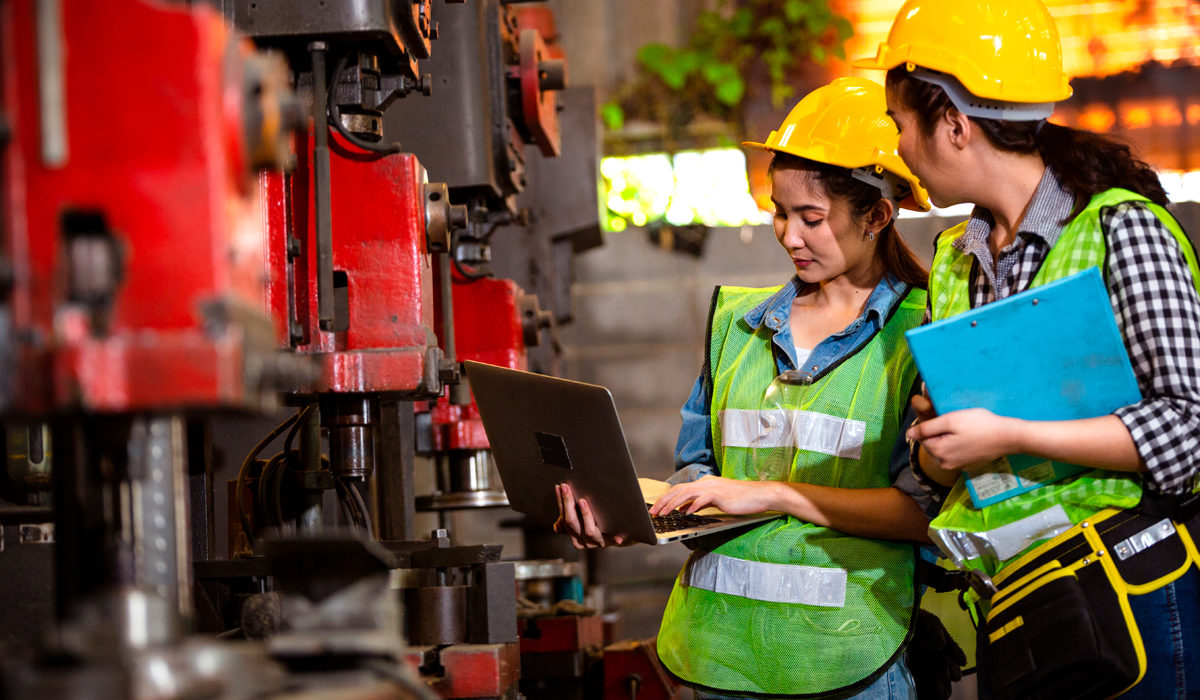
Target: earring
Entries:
(870, 235)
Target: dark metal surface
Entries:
(85, 556)
(15, 515)
(426, 555)
(462, 500)
(493, 604)
(321, 197)
(350, 420)
(310, 460)
(436, 614)
(373, 24)
(200, 486)
(395, 439)
(469, 100)
(563, 219)
(25, 572)
(459, 392)
(233, 568)
(319, 567)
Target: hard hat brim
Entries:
(912, 201)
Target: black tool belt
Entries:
(1058, 622)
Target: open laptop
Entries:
(546, 431)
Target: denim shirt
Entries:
(694, 453)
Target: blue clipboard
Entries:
(1049, 353)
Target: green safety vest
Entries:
(987, 538)
(790, 608)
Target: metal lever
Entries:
(322, 204)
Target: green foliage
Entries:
(737, 39)
(612, 115)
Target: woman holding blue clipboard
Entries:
(1086, 587)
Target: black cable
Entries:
(280, 474)
(263, 494)
(335, 116)
(287, 442)
(339, 490)
(469, 275)
(362, 508)
(244, 472)
(349, 506)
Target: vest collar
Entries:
(1051, 205)
(776, 311)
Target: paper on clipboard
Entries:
(1049, 353)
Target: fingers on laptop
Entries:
(594, 537)
(674, 498)
(576, 519)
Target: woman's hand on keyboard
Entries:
(575, 518)
(732, 496)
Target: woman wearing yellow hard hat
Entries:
(1086, 586)
(797, 410)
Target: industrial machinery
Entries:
(212, 208)
(351, 232)
(113, 190)
(529, 211)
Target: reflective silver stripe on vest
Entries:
(1003, 542)
(807, 430)
(776, 583)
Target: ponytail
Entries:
(1086, 163)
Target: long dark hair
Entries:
(1086, 163)
(892, 251)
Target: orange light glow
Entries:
(1097, 118)
(1167, 115)
(1136, 117)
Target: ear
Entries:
(958, 126)
(880, 214)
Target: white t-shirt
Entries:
(802, 356)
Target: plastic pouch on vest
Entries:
(773, 431)
(784, 424)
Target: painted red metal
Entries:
(457, 427)
(487, 328)
(472, 670)
(560, 633)
(153, 155)
(487, 321)
(632, 671)
(541, 20)
(538, 105)
(378, 233)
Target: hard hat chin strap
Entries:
(983, 108)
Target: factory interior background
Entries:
(649, 204)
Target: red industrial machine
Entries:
(132, 303)
(213, 207)
(102, 316)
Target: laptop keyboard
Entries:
(676, 520)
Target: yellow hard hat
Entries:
(845, 123)
(1001, 51)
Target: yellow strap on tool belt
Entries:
(1137, 553)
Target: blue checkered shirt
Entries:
(1156, 306)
